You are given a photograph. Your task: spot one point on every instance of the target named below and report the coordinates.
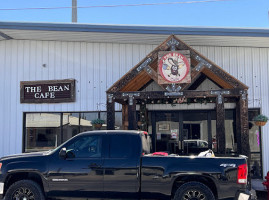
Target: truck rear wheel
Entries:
(24, 190)
(193, 191)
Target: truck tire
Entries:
(194, 191)
(24, 189)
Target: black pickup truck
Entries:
(118, 165)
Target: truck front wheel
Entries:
(24, 190)
(193, 191)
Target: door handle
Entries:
(94, 165)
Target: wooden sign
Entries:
(51, 91)
(174, 67)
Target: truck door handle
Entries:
(94, 165)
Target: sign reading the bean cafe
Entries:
(54, 91)
(174, 67)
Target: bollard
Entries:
(266, 183)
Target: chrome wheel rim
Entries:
(23, 193)
(194, 195)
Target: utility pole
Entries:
(74, 11)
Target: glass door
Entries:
(181, 132)
(165, 131)
(195, 133)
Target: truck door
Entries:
(121, 165)
(81, 173)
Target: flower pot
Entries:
(97, 126)
(259, 123)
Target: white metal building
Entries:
(96, 56)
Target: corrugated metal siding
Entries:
(96, 66)
(250, 66)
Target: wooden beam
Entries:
(129, 76)
(220, 125)
(138, 82)
(221, 80)
(152, 73)
(185, 93)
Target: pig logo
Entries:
(173, 67)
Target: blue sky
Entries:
(233, 13)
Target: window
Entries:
(45, 131)
(121, 146)
(42, 131)
(85, 147)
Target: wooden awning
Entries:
(146, 70)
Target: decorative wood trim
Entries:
(185, 93)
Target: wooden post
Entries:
(154, 132)
(243, 103)
(220, 124)
(209, 130)
(110, 114)
(180, 132)
(132, 125)
(238, 127)
(125, 122)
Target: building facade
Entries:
(96, 56)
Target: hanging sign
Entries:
(174, 67)
(51, 91)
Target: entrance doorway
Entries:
(181, 132)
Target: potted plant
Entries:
(97, 123)
(260, 120)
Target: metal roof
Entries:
(137, 34)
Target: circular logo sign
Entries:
(174, 67)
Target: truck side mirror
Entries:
(62, 153)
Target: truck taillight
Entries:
(0, 166)
(242, 174)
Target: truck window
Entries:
(121, 146)
(86, 147)
(145, 143)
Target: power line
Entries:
(113, 6)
